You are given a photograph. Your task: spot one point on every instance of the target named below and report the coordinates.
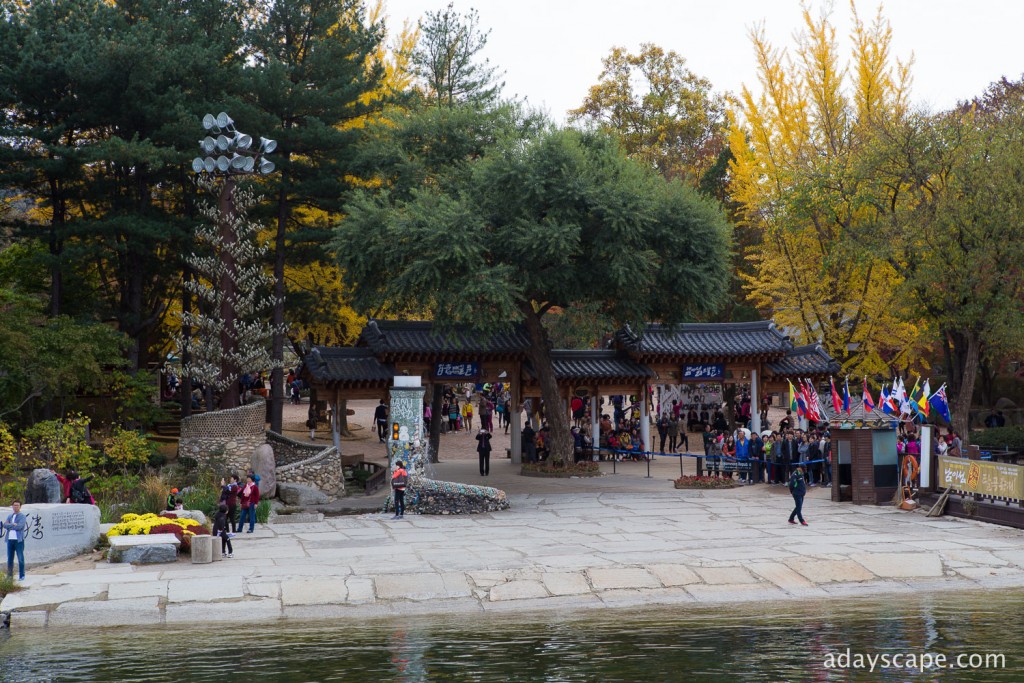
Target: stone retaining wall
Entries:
(289, 451)
(229, 435)
(322, 471)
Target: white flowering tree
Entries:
(229, 334)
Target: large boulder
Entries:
(43, 487)
(300, 494)
(58, 532)
(263, 464)
(197, 515)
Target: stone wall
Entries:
(57, 532)
(228, 436)
(289, 451)
(450, 498)
(322, 471)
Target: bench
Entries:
(143, 549)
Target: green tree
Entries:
(555, 219)
(447, 59)
(949, 194)
(666, 115)
(315, 65)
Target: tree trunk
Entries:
(988, 384)
(555, 411)
(962, 405)
(436, 396)
(277, 319)
(342, 412)
(185, 381)
(228, 339)
(729, 398)
(56, 248)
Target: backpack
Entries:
(80, 495)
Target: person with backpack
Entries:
(172, 498)
(798, 488)
(80, 495)
(250, 499)
(229, 496)
(399, 480)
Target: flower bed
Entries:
(135, 525)
(545, 469)
(705, 483)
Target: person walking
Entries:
(220, 528)
(380, 418)
(467, 416)
(399, 480)
(483, 448)
(528, 438)
(250, 499)
(486, 410)
(797, 487)
(16, 526)
(662, 431)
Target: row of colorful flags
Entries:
(894, 399)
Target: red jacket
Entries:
(253, 499)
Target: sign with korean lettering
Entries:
(977, 476)
(457, 370)
(702, 372)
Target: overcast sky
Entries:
(551, 50)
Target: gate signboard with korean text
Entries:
(457, 370)
(994, 479)
(702, 372)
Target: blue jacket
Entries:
(16, 522)
(743, 450)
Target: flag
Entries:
(813, 409)
(846, 396)
(912, 397)
(792, 399)
(835, 396)
(801, 402)
(869, 405)
(941, 405)
(922, 403)
(886, 401)
(901, 398)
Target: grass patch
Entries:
(8, 585)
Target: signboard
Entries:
(702, 372)
(456, 370)
(977, 476)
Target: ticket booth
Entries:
(865, 465)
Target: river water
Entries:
(768, 642)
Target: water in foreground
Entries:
(782, 642)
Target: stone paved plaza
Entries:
(553, 550)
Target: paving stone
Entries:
(784, 577)
(137, 589)
(263, 589)
(566, 583)
(312, 591)
(673, 574)
(486, 579)
(35, 597)
(105, 613)
(746, 592)
(724, 575)
(360, 589)
(518, 590)
(205, 589)
(242, 611)
(621, 577)
(409, 587)
(900, 565)
(825, 571)
(33, 619)
(456, 585)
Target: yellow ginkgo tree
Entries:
(795, 178)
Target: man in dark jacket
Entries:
(483, 449)
(529, 443)
(756, 459)
(380, 418)
(797, 487)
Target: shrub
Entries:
(59, 444)
(699, 482)
(8, 585)
(127, 449)
(8, 450)
(263, 511)
(999, 437)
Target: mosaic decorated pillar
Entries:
(406, 436)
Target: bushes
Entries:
(998, 437)
(263, 511)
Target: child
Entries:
(172, 499)
(220, 528)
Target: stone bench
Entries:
(144, 549)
